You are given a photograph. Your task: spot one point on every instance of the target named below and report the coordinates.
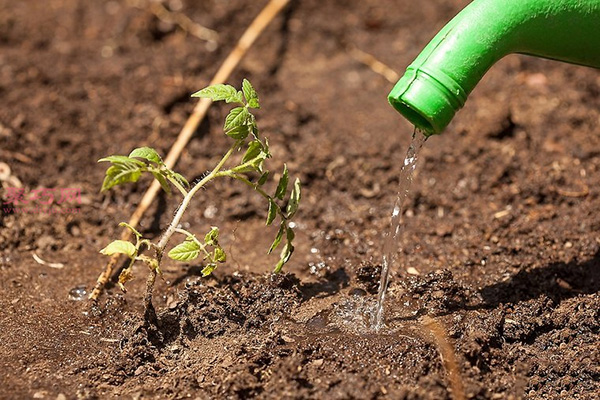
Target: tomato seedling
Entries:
(240, 126)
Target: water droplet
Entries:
(78, 293)
(317, 268)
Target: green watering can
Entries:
(436, 85)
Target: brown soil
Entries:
(502, 222)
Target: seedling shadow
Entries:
(558, 281)
(330, 285)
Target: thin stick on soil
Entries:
(184, 22)
(246, 40)
(447, 355)
(376, 65)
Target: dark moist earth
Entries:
(500, 249)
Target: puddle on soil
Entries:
(353, 315)
(390, 238)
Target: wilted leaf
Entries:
(125, 276)
(119, 246)
(131, 228)
(151, 262)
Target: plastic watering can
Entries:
(436, 85)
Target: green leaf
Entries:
(206, 271)
(242, 169)
(250, 94)
(181, 179)
(290, 235)
(131, 228)
(117, 174)
(219, 255)
(263, 178)
(220, 92)
(163, 181)
(294, 199)
(254, 129)
(235, 118)
(277, 238)
(116, 159)
(254, 149)
(212, 237)
(259, 160)
(286, 253)
(185, 251)
(272, 213)
(123, 169)
(146, 153)
(239, 132)
(119, 247)
(283, 183)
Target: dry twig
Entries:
(376, 66)
(184, 22)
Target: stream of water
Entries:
(391, 244)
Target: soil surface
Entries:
(496, 294)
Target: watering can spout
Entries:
(437, 83)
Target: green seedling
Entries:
(240, 126)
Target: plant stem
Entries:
(164, 239)
(172, 228)
(149, 312)
(178, 186)
(244, 179)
